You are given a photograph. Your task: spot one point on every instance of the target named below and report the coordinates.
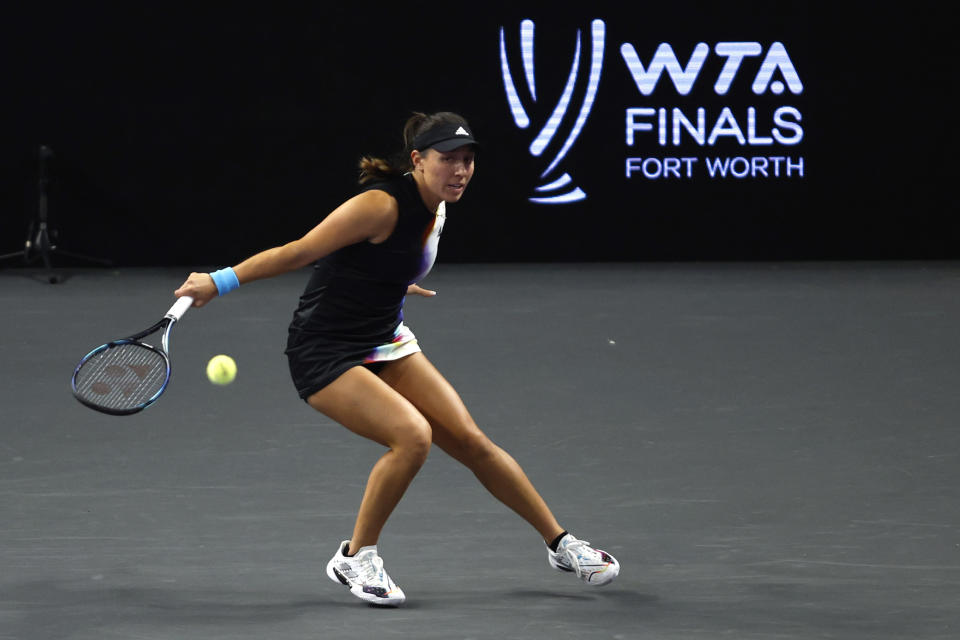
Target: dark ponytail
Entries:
(373, 169)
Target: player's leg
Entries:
(455, 431)
(364, 404)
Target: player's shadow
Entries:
(55, 611)
(634, 598)
(559, 602)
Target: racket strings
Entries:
(122, 376)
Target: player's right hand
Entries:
(200, 287)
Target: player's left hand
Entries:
(420, 291)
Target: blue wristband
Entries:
(226, 280)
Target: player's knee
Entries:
(415, 441)
(474, 447)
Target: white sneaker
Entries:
(365, 576)
(593, 566)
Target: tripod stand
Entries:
(40, 237)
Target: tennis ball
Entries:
(221, 369)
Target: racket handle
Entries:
(179, 308)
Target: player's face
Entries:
(444, 175)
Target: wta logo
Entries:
(557, 187)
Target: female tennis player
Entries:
(353, 359)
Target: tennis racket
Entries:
(127, 375)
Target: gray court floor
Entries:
(771, 451)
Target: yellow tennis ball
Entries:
(221, 369)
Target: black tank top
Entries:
(357, 292)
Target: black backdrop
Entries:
(196, 136)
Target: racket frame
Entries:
(166, 324)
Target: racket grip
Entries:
(179, 308)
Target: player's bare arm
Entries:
(368, 217)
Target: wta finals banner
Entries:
(698, 111)
(670, 132)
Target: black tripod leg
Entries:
(41, 244)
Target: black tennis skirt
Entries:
(317, 359)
